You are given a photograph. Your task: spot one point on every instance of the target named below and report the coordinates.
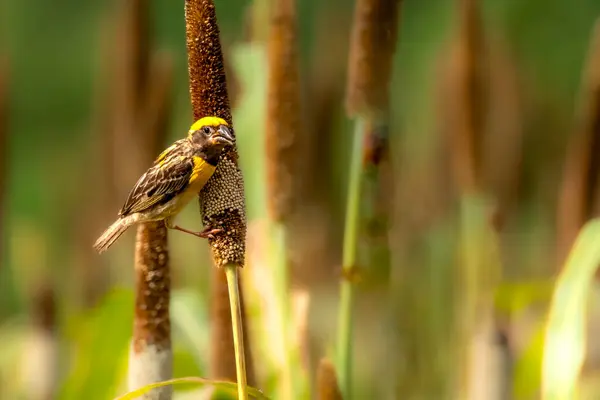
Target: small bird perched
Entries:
(176, 176)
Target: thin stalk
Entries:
(349, 260)
(231, 272)
(3, 150)
(370, 66)
(279, 261)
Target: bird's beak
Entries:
(223, 135)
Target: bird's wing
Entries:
(169, 175)
(169, 152)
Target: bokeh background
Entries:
(66, 313)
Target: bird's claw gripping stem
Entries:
(207, 233)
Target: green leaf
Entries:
(565, 342)
(528, 365)
(514, 297)
(222, 385)
(190, 333)
(99, 346)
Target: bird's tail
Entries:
(112, 233)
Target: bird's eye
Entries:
(206, 130)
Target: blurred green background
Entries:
(53, 55)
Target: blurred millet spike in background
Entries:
(480, 116)
(500, 145)
(222, 200)
(466, 113)
(370, 65)
(284, 125)
(284, 121)
(470, 107)
(373, 43)
(578, 197)
(370, 68)
(502, 150)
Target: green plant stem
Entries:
(279, 262)
(349, 261)
(231, 272)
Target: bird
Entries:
(175, 177)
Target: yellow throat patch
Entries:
(201, 173)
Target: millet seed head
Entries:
(373, 42)
(222, 200)
(153, 285)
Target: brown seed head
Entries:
(151, 323)
(223, 206)
(222, 199)
(471, 95)
(327, 384)
(502, 154)
(373, 42)
(463, 98)
(469, 90)
(283, 109)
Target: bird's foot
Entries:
(207, 233)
